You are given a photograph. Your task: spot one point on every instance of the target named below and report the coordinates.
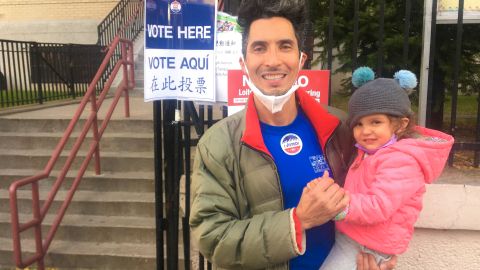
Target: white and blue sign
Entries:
(180, 50)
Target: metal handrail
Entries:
(39, 212)
(120, 45)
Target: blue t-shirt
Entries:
(299, 159)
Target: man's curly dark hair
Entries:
(292, 10)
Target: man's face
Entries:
(272, 55)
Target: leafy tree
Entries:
(368, 35)
(394, 23)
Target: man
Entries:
(250, 207)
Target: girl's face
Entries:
(375, 130)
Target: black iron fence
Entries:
(173, 143)
(126, 20)
(34, 72)
(388, 36)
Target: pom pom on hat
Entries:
(406, 79)
(362, 75)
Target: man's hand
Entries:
(367, 262)
(321, 201)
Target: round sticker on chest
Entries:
(291, 144)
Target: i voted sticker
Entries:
(291, 144)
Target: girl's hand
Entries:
(315, 181)
(321, 201)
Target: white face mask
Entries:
(273, 103)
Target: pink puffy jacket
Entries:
(387, 188)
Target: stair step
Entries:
(89, 255)
(65, 255)
(137, 91)
(107, 181)
(139, 204)
(139, 65)
(49, 140)
(34, 125)
(139, 83)
(109, 161)
(84, 228)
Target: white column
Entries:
(423, 89)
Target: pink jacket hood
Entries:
(431, 151)
(387, 188)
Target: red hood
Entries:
(323, 122)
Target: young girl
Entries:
(387, 180)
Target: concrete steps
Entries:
(88, 255)
(110, 222)
(109, 142)
(107, 181)
(35, 125)
(118, 161)
(139, 76)
(140, 204)
(82, 228)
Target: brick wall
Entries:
(28, 10)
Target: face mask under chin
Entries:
(273, 103)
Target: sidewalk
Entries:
(66, 109)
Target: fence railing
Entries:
(357, 34)
(39, 209)
(32, 72)
(126, 19)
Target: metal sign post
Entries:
(158, 150)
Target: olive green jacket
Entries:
(237, 216)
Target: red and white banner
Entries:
(314, 82)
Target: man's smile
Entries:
(275, 76)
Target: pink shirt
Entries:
(387, 189)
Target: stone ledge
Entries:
(451, 207)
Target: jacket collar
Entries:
(323, 122)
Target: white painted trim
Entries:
(423, 89)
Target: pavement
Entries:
(139, 109)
